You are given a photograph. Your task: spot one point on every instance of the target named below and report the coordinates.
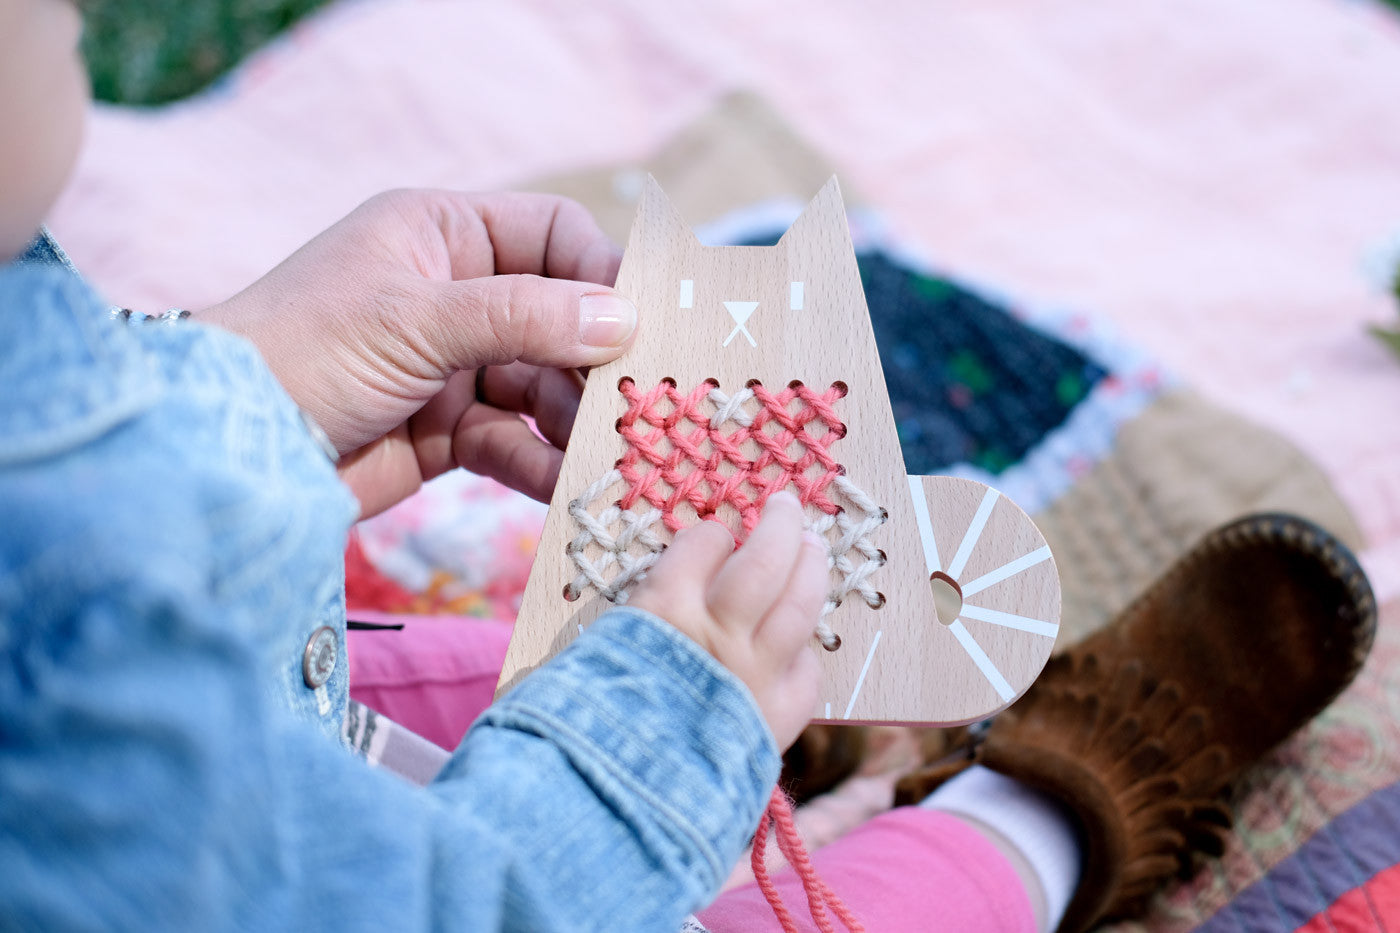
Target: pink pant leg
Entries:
(434, 677)
(906, 870)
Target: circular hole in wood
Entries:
(835, 644)
(841, 387)
(669, 381)
(623, 383)
(751, 383)
(569, 593)
(947, 597)
(795, 384)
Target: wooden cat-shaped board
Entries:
(755, 369)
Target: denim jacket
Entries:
(170, 590)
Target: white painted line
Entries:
(979, 657)
(974, 531)
(687, 293)
(860, 681)
(738, 330)
(1020, 623)
(1006, 570)
(828, 709)
(916, 489)
(795, 297)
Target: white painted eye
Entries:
(795, 297)
(687, 293)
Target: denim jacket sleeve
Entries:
(633, 755)
(157, 769)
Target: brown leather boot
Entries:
(1139, 729)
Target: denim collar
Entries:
(68, 373)
(44, 250)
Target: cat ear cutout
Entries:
(823, 220)
(657, 220)
(755, 369)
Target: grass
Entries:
(153, 51)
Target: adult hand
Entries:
(420, 328)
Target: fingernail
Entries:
(606, 320)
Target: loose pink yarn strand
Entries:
(820, 897)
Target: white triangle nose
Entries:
(740, 311)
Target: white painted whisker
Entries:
(1011, 620)
(979, 657)
(925, 523)
(974, 531)
(860, 681)
(1006, 570)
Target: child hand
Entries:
(418, 329)
(753, 609)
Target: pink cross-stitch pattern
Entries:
(676, 456)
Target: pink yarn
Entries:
(706, 467)
(820, 897)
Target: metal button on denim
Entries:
(318, 660)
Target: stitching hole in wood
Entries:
(947, 597)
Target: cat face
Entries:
(739, 310)
(752, 301)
